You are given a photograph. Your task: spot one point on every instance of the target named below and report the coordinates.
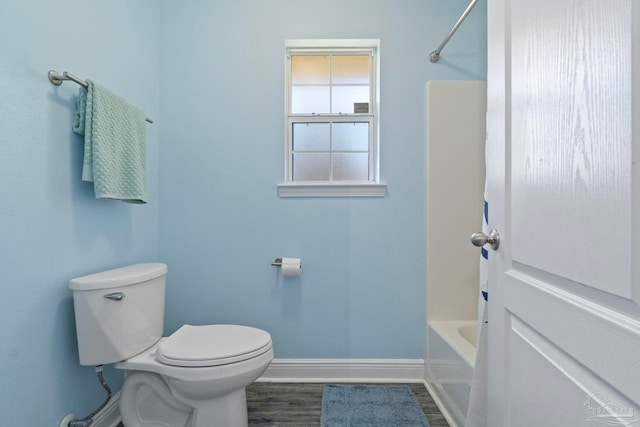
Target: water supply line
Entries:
(88, 420)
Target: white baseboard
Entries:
(345, 370)
(110, 414)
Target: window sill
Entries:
(331, 190)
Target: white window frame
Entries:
(340, 188)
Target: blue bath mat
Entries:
(351, 405)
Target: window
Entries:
(331, 119)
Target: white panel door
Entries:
(564, 192)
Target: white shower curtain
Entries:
(477, 411)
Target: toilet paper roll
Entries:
(291, 266)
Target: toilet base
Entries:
(229, 410)
(146, 400)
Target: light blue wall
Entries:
(51, 227)
(211, 75)
(362, 289)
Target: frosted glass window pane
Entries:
(309, 99)
(311, 167)
(351, 166)
(345, 96)
(309, 70)
(351, 69)
(351, 136)
(311, 136)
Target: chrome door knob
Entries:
(481, 239)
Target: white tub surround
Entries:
(455, 170)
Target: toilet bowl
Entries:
(196, 377)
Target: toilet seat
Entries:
(212, 345)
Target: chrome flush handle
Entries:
(116, 296)
(481, 239)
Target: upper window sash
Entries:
(313, 84)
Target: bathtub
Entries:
(451, 353)
(461, 336)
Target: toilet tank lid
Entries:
(123, 276)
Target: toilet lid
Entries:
(212, 345)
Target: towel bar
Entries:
(57, 78)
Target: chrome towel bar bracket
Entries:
(56, 78)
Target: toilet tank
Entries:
(119, 313)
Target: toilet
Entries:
(195, 377)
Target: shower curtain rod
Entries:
(435, 55)
(56, 78)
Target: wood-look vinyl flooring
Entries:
(298, 405)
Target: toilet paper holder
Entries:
(278, 262)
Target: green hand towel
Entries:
(114, 144)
